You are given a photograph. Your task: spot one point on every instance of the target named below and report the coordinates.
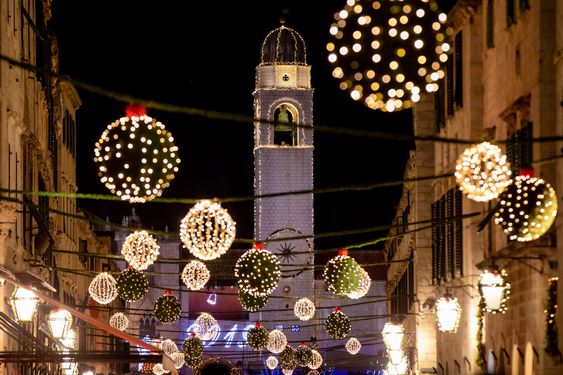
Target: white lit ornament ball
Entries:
(342, 274)
(103, 289)
(169, 346)
(316, 360)
(258, 271)
(276, 341)
(272, 362)
(363, 288)
(206, 327)
(353, 346)
(158, 369)
(287, 371)
(338, 325)
(304, 309)
(208, 230)
(178, 358)
(136, 158)
(527, 209)
(119, 321)
(195, 275)
(386, 53)
(140, 250)
(313, 372)
(482, 172)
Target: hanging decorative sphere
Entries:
(103, 289)
(272, 362)
(276, 341)
(158, 369)
(252, 303)
(304, 309)
(167, 308)
(338, 325)
(353, 346)
(287, 371)
(132, 285)
(206, 327)
(313, 372)
(385, 53)
(303, 355)
(208, 230)
(140, 250)
(316, 360)
(178, 358)
(258, 337)
(136, 158)
(169, 347)
(342, 274)
(119, 321)
(363, 288)
(147, 367)
(288, 359)
(482, 172)
(527, 209)
(258, 271)
(195, 275)
(193, 351)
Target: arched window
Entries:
(285, 130)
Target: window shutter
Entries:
(490, 24)
(434, 243)
(458, 230)
(450, 86)
(458, 82)
(526, 146)
(441, 240)
(450, 239)
(510, 13)
(411, 282)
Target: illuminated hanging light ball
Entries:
(313, 372)
(195, 275)
(304, 309)
(272, 362)
(147, 367)
(386, 53)
(258, 271)
(120, 321)
(178, 358)
(448, 313)
(206, 326)
(167, 308)
(103, 289)
(169, 347)
(316, 360)
(363, 288)
(287, 371)
(342, 274)
(252, 303)
(527, 209)
(288, 360)
(208, 230)
(140, 250)
(132, 285)
(353, 346)
(494, 288)
(337, 324)
(276, 341)
(257, 338)
(158, 369)
(303, 355)
(193, 351)
(482, 172)
(136, 158)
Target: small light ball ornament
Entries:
(288, 359)
(252, 303)
(342, 274)
(304, 309)
(120, 321)
(353, 346)
(385, 53)
(287, 371)
(303, 355)
(527, 209)
(136, 158)
(494, 288)
(258, 271)
(313, 372)
(208, 230)
(258, 337)
(206, 327)
(482, 172)
(363, 288)
(103, 289)
(448, 313)
(178, 358)
(276, 341)
(316, 360)
(193, 351)
(132, 285)
(337, 324)
(167, 308)
(158, 369)
(272, 362)
(195, 275)
(140, 250)
(169, 346)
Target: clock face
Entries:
(293, 249)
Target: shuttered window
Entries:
(510, 13)
(458, 80)
(490, 24)
(519, 149)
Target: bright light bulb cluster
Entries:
(119, 321)
(272, 362)
(353, 346)
(206, 327)
(482, 172)
(276, 341)
(386, 53)
(193, 351)
(195, 275)
(527, 209)
(169, 347)
(287, 371)
(140, 250)
(252, 303)
(303, 355)
(342, 275)
(257, 337)
(257, 272)
(136, 158)
(288, 360)
(167, 308)
(363, 288)
(448, 313)
(494, 288)
(304, 309)
(208, 230)
(338, 325)
(158, 369)
(316, 360)
(103, 289)
(132, 285)
(178, 358)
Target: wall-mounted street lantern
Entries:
(59, 323)
(448, 313)
(393, 335)
(24, 304)
(494, 288)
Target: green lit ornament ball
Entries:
(287, 358)
(132, 285)
(257, 337)
(338, 325)
(342, 274)
(193, 351)
(258, 271)
(303, 355)
(167, 308)
(252, 303)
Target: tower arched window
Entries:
(285, 130)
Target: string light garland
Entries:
(482, 172)
(271, 362)
(386, 53)
(193, 351)
(363, 288)
(337, 324)
(551, 334)
(195, 275)
(103, 288)
(494, 288)
(120, 321)
(167, 308)
(342, 274)
(527, 209)
(206, 326)
(304, 309)
(178, 358)
(316, 360)
(136, 158)
(168, 346)
(252, 303)
(258, 271)
(257, 338)
(288, 358)
(353, 346)
(303, 355)
(276, 341)
(207, 231)
(448, 313)
(132, 285)
(140, 250)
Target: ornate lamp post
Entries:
(24, 303)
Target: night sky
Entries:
(204, 55)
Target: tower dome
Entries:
(283, 46)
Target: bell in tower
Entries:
(284, 127)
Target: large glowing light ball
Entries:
(303, 355)
(482, 172)
(276, 341)
(494, 288)
(304, 309)
(136, 158)
(258, 271)
(316, 360)
(208, 230)
(140, 250)
(448, 313)
(386, 53)
(103, 288)
(257, 337)
(353, 346)
(120, 321)
(167, 308)
(193, 351)
(272, 362)
(252, 303)
(158, 369)
(338, 325)
(169, 346)
(527, 209)
(195, 275)
(342, 274)
(288, 360)
(132, 285)
(206, 327)
(363, 288)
